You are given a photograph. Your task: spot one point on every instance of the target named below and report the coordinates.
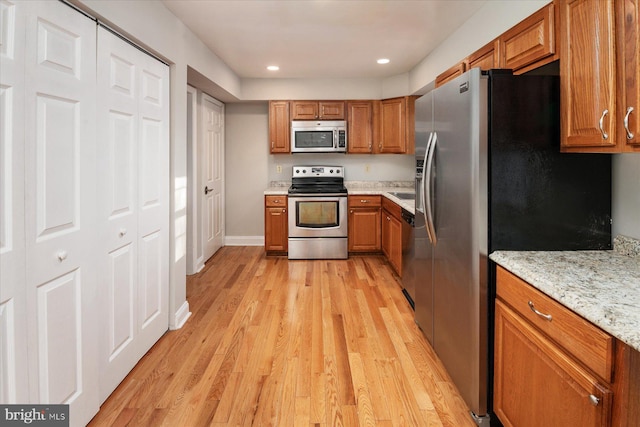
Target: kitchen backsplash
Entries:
(626, 246)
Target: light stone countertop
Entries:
(601, 286)
(384, 188)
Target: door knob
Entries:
(207, 190)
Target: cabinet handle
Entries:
(122, 232)
(62, 255)
(364, 201)
(272, 145)
(276, 201)
(594, 400)
(630, 134)
(388, 219)
(370, 146)
(351, 211)
(601, 123)
(545, 316)
(284, 211)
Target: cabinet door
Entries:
(364, 229)
(629, 22)
(331, 110)
(486, 57)
(530, 41)
(304, 110)
(536, 384)
(392, 126)
(451, 73)
(588, 74)
(392, 240)
(360, 126)
(276, 231)
(279, 130)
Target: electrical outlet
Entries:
(278, 168)
(367, 168)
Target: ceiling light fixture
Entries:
(383, 61)
(273, 68)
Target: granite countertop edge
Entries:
(382, 188)
(601, 286)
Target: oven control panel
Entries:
(314, 171)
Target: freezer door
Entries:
(459, 294)
(423, 248)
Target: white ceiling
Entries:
(322, 38)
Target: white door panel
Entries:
(60, 207)
(13, 320)
(120, 320)
(60, 339)
(134, 153)
(213, 175)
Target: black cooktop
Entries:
(317, 189)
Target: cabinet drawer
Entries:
(275, 201)
(580, 338)
(363, 201)
(392, 208)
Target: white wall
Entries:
(246, 169)
(626, 195)
(493, 19)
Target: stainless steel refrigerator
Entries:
(493, 178)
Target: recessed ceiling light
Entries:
(383, 61)
(273, 68)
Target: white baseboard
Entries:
(181, 316)
(244, 240)
(199, 264)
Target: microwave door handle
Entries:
(335, 139)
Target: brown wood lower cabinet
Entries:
(553, 368)
(537, 384)
(364, 223)
(276, 230)
(392, 234)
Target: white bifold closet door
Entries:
(13, 297)
(133, 202)
(60, 207)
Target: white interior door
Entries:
(60, 201)
(13, 320)
(133, 112)
(212, 175)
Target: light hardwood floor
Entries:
(273, 342)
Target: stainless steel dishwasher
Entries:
(408, 257)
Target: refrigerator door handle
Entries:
(427, 188)
(423, 179)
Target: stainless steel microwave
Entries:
(319, 136)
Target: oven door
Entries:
(318, 216)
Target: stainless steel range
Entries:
(318, 213)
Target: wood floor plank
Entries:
(273, 342)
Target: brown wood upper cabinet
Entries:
(487, 57)
(279, 131)
(360, 115)
(317, 110)
(451, 73)
(397, 133)
(599, 75)
(531, 43)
